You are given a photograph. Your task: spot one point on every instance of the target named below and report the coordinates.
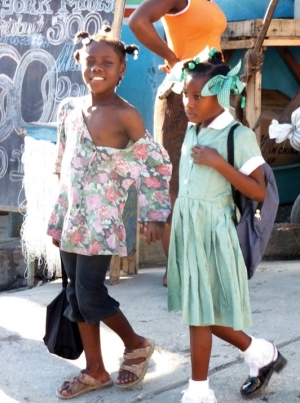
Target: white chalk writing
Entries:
(33, 7)
(37, 66)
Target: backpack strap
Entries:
(64, 275)
(230, 152)
(230, 156)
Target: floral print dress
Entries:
(94, 184)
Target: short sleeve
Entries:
(247, 154)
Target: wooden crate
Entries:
(243, 34)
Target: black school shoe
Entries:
(256, 385)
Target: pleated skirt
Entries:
(207, 277)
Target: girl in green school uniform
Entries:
(207, 275)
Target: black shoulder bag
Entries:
(62, 336)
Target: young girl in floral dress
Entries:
(103, 148)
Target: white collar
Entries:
(221, 121)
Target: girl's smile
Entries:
(101, 64)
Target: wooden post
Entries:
(15, 221)
(129, 263)
(292, 106)
(253, 104)
(30, 274)
(115, 267)
(118, 18)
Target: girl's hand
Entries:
(169, 64)
(165, 68)
(205, 156)
(143, 228)
(55, 242)
(152, 231)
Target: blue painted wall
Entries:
(237, 10)
(142, 78)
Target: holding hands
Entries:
(152, 231)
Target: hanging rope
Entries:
(253, 62)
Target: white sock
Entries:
(259, 354)
(198, 388)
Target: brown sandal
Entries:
(137, 369)
(81, 384)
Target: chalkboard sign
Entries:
(37, 71)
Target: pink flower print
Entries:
(93, 202)
(75, 197)
(137, 169)
(164, 153)
(160, 197)
(165, 170)
(155, 215)
(114, 213)
(97, 225)
(77, 236)
(126, 183)
(111, 241)
(143, 200)
(117, 157)
(77, 162)
(114, 175)
(62, 202)
(152, 183)
(54, 233)
(103, 213)
(121, 167)
(104, 157)
(53, 219)
(121, 233)
(103, 177)
(155, 155)
(95, 247)
(141, 151)
(111, 194)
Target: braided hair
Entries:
(212, 67)
(104, 36)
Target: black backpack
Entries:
(257, 218)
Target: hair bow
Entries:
(222, 85)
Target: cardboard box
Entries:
(273, 104)
(276, 154)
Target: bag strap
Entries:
(64, 275)
(230, 151)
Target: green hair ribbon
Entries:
(222, 86)
(212, 52)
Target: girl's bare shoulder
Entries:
(132, 120)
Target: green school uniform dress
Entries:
(207, 277)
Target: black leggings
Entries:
(87, 295)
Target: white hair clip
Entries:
(86, 41)
(135, 54)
